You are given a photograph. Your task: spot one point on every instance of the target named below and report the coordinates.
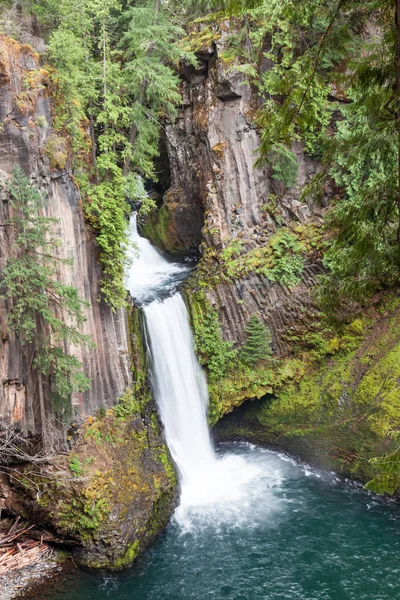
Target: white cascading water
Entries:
(209, 484)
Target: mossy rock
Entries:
(160, 229)
(115, 492)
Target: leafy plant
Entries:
(112, 80)
(284, 164)
(387, 469)
(213, 351)
(75, 466)
(288, 261)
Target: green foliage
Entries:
(45, 312)
(115, 78)
(331, 84)
(284, 164)
(281, 260)
(75, 466)
(288, 263)
(364, 255)
(387, 471)
(213, 351)
(108, 213)
(305, 43)
(257, 346)
(128, 405)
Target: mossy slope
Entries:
(340, 413)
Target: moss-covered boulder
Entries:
(176, 226)
(112, 495)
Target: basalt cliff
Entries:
(327, 395)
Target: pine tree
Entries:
(115, 71)
(150, 53)
(258, 344)
(45, 313)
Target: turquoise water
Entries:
(297, 534)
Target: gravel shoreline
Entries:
(27, 582)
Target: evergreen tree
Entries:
(258, 344)
(45, 313)
(335, 85)
(115, 71)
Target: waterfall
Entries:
(180, 387)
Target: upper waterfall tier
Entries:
(150, 275)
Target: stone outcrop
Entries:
(280, 308)
(220, 195)
(213, 151)
(339, 416)
(109, 498)
(25, 117)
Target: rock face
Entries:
(115, 491)
(25, 116)
(221, 195)
(328, 396)
(213, 150)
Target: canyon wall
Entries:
(25, 138)
(113, 493)
(220, 195)
(326, 395)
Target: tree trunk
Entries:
(91, 118)
(140, 100)
(107, 174)
(93, 140)
(104, 71)
(43, 416)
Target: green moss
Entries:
(214, 353)
(333, 401)
(137, 352)
(129, 557)
(282, 259)
(159, 227)
(201, 36)
(341, 412)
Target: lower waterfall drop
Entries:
(180, 389)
